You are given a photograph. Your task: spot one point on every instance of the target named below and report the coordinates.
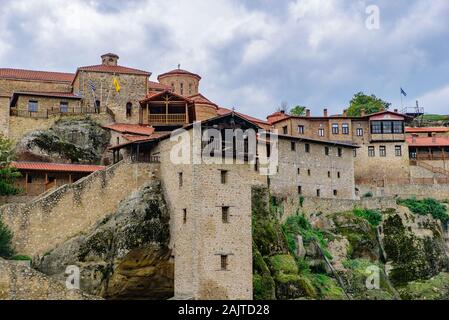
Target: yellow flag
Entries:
(116, 85)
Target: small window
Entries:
(299, 171)
(359, 132)
(224, 176)
(63, 107)
(321, 132)
(299, 190)
(335, 129)
(338, 174)
(225, 214)
(307, 148)
(285, 130)
(29, 178)
(184, 216)
(326, 151)
(309, 173)
(345, 128)
(190, 89)
(118, 140)
(398, 151)
(224, 262)
(328, 174)
(383, 151)
(371, 152)
(182, 88)
(354, 153)
(340, 152)
(318, 193)
(129, 109)
(173, 87)
(293, 145)
(335, 193)
(301, 129)
(180, 179)
(33, 106)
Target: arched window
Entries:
(129, 109)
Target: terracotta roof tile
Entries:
(179, 72)
(428, 142)
(130, 128)
(56, 167)
(21, 74)
(49, 94)
(426, 129)
(200, 99)
(114, 69)
(262, 123)
(152, 85)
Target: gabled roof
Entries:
(56, 167)
(113, 69)
(46, 76)
(152, 85)
(63, 95)
(201, 99)
(426, 129)
(263, 124)
(154, 95)
(179, 72)
(130, 128)
(428, 142)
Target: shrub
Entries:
(425, 207)
(6, 250)
(374, 217)
(368, 195)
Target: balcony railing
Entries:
(175, 118)
(44, 114)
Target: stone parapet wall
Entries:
(436, 191)
(71, 209)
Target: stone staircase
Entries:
(433, 169)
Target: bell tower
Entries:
(109, 59)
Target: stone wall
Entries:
(4, 115)
(71, 209)
(317, 171)
(190, 84)
(8, 86)
(46, 103)
(439, 192)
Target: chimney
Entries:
(396, 110)
(325, 113)
(434, 137)
(307, 112)
(345, 113)
(109, 59)
(362, 112)
(414, 136)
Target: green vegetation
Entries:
(6, 249)
(298, 111)
(435, 117)
(8, 175)
(371, 104)
(425, 207)
(21, 258)
(368, 195)
(436, 288)
(374, 217)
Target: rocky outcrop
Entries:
(126, 255)
(19, 282)
(68, 140)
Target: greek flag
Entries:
(403, 92)
(92, 86)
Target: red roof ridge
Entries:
(36, 75)
(179, 71)
(130, 128)
(60, 167)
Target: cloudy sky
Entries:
(252, 54)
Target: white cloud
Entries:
(436, 101)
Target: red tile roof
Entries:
(56, 167)
(132, 138)
(114, 69)
(152, 85)
(178, 72)
(200, 99)
(426, 129)
(68, 95)
(262, 123)
(428, 142)
(20, 74)
(131, 128)
(153, 95)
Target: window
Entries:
(180, 179)
(387, 127)
(338, 174)
(224, 175)
(376, 127)
(301, 129)
(299, 190)
(285, 130)
(309, 173)
(184, 216)
(182, 88)
(225, 214)
(318, 193)
(359, 132)
(321, 132)
(335, 193)
(307, 148)
(326, 151)
(371, 152)
(383, 151)
(118, 140)
(29, 178)
(354, 153)
(224, 262)
(129, 109)
(63, 107)
(33, 106)
(340, 152)
(398, 127)
(328, 174)
(335, 129)
(345, 128)
(398, 151)
(299, 171)
(190, 89)
(293, 146)
(173, 87)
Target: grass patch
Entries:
(426, 207)
(374, 217)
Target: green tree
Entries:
(371, 104)
(8, 175)
(6, 250)
(298, 111)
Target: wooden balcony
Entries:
(167, 119)
(55, 111)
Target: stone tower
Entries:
(109, 59)
(182, 82)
